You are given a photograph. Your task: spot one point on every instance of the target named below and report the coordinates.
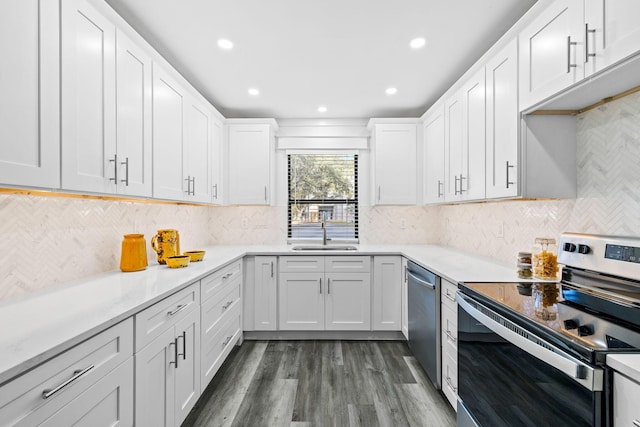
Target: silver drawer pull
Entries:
(177, 310)
(227, 341)
(450, 384)
(451, 337)
(76, 375)
(226, 276)
(449, 296)
(224, 307)
(636, 423)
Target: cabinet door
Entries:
(216, 163)
(133, 118)
(301, 301)
(395, 164)
(433, 134)
(612, 31)
(249, 164)
(502, 123)
(348, 302)
(552, 52)
(387, 280)
(453, 147)
(109, 402)
(187, 371)
(197, 151)
(88, 99)
(155, 377)
(168, 128)
(625, 401)
(265, 293)
(473, 174)
(30, 101)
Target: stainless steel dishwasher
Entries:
(424, 319)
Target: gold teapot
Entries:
(166, 243)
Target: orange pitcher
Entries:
(166, 243)
(134, 253)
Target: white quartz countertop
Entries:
(626, 364)
(36, 327)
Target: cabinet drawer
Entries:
(448, 293)
(154, 320)
(211, 284)
(23, 399)
(301, 264)
(450, 379)
(449, 325)
(214, 309)
(219, 342)
(347, 264)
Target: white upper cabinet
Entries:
(453, 147)
(168, 136)
(133, 115)
(89, 161)
(216, 162)
(502, 123)
(552, 51)
(433, 134)
(394, 171)
(197, 151)
(249, 164)
(29, 105)
(473, 165)
(612, 32)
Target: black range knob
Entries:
(585, 330)
(569, 247)
(570, 324)
(584, 249)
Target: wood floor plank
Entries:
(363, 416)
(423, 408)
(309, 384)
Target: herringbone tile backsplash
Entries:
(51, 240)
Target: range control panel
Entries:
(616, 255)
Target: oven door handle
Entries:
(587, 376)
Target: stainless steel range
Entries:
(534, 354)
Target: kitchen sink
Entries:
(325, 248)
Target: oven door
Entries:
(509, 377)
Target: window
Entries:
(323, 187)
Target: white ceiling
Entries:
(301, 54)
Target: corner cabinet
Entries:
(394, 148)
(29, 106)
(250, 147)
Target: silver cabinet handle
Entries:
(226, 276)
(184, 345)
(455, 185)
(76, 375)
(328, 286)
(174, 343)
(405, 274)
(226, 341)
(271, 268)
(265, 193)
(636, 423)
(440, 184)
(188, 179)
(461, 178)
(379, 192)
(115, 169)
(227, 305)
(320, 281)
(509, 166)
(586, 43)
(449, 296)
(215, 191)
(178, 309)
(126, 171)
(450, 384)
(451, 337)
(193, 190)
(569, 64)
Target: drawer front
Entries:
(66, 376)
(347, 264)
(449, 325)
(218, 343)
(211, 284)
(448, 291)
(625, 401)
(450, 378)
(215, 308)
(301, 264)
(156, 319)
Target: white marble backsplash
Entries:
(50, 240)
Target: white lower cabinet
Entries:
(168, 368)
(625, 401)
(387, 293)
(449, 323)
(90, 384)
(335, 293)
(265, 294)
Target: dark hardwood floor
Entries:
(321, 383)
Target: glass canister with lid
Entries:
(545, 259)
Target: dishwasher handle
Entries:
(420, 281)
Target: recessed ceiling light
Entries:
(417, 43)
(225, 44)
(391, 91)
(322, 109)
(253, 91)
